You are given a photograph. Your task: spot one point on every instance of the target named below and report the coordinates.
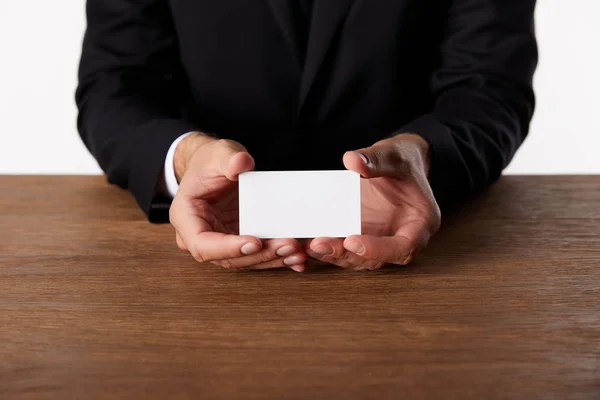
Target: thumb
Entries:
(215, 166)
(237, 163)
(233, 159)
(381, 159)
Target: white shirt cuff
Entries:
(170, 179)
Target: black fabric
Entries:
(306, 6)
(457, 72)
(302, 13)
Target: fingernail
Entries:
(293, 260)
(323, 249)
(250, 248)
(364, 158)
(298, 268)
(286, 251)
(355, 247)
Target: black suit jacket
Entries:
(456, 72)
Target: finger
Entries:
(279, 264)
(377, 161)
(210, 246)
(357, 162)
(232, 159)
(299, 268)
(273, 264)
(332, 251)
(236, 164)
(276, 253)
(204, 244)
(399, 249)
(399, 159)
(222, 164)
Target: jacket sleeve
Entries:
(129, 94)
(483, 96)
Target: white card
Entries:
(300, 204)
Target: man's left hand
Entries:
(399, 211)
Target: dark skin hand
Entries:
(399, 211)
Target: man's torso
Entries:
(365, 71)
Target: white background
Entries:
(39, 50)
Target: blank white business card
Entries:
(299, 204)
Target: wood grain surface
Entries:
(95, 302)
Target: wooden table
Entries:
(95, 302)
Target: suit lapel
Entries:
(283, 12)
(327, 19)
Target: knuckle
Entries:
(270, 265)
(405, 251)
(225, 142)
(266, 256)
(227, 264)
(435, 219)
(411, 253)
(340, 263)
(180, 244)
(408, 257)
(369, 265)
(343, 255)
(373, 265)
(229, 145)
(393, 158)
(198, 256)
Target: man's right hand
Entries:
(205, 210)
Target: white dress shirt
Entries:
(169, 185)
